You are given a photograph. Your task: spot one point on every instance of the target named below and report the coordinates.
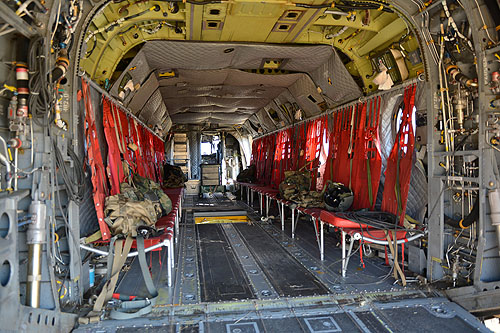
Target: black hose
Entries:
(467, 221)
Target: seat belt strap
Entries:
(394, 251)
(121, 252)
(119, 138)
(138, 307)
(369, 180)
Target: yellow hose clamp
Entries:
(461, 224)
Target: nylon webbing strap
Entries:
(138, 307)
(350, 172)
(121, 144)
(369, 178)
(393, 247)
(122, 250)
(351, 144)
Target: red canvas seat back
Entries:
(342, 160)
(282, 157)
(399, 163)
(120, 132)
(315, 130)
(367, 161)
(98, 173)
(115, 145)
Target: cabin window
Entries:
(398, 121)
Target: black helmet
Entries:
(338, 198)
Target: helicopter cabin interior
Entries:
(249, 166)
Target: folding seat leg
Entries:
(346, 257)
(169, 265)
(322, 247)
(282, 216)
(317, 232)
(176, 227)
(267, 205)
(293, 222)
(343, 253)
(260, 204)
(172, 254)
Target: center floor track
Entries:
(252, 278)
(221, 276)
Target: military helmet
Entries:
(338, 198)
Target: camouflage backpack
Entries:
(173, 176)
(247, 175)
(295, 184)
(153, 191)
(296, 187)
(125, 215)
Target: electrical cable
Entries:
(40, 99)
(74, 181)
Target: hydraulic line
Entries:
(467, 221)
(457, 75)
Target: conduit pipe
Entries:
(358, 236)
(131, 254)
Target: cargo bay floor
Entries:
(253, 277)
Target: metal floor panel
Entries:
(317, 314)
(285, 266)
(221, 277)
(288, 277)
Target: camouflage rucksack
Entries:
(296, 187)
(295, 184)
(153, 191)
(124, 215)
(173, 176)
(247, 175)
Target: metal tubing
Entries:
(358, 236)
(282, 216)
(34, 275)
(10, 17)
(316, 231)
(322, 249)
(344, 269)
(176, 224)
(267, 205)
(131, 254)
(343, 253)
(35, 240)
(170, 263)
